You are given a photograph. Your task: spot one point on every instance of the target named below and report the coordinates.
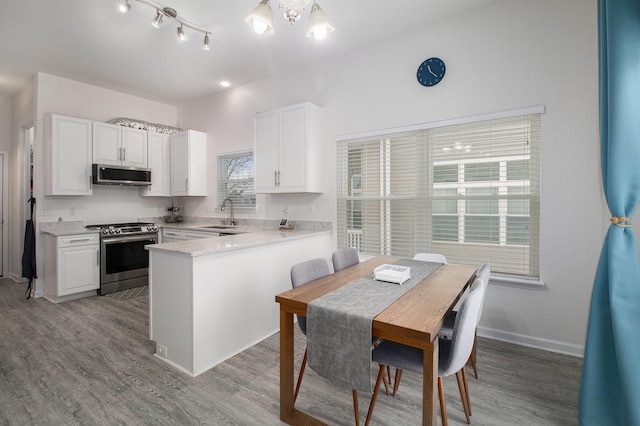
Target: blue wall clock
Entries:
(431, 72)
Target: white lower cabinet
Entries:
(72, 266)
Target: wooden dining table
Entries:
(414, 319)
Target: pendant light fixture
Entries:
(124, 6)
(261, 17)
(161, 12)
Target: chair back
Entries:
(483, 273)
(344, 257)
(430, 257)
(464, 331)
(305, 272)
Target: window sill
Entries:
(518, 282)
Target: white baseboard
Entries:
(15, 277)
(532, 342)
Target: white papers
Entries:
(392, 273)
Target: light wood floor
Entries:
(89, 362)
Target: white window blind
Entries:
(469, 191)
(235, 179)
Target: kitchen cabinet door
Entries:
(119, 146)
(288, 150)
(266, 152)
(134, 147)
(68, 155)
(107, 143)
(78, 269)
(189, 163)
(71, 266)
(159, 161)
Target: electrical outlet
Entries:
(312, 208)
(162, 350)
(72, 211)
(285, 210)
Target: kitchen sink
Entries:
(221, 227)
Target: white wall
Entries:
(107, 204)
(511, 55)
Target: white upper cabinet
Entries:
(288, 150)
(69, 154)
(159, 161)
(118, 145)
(189, 163)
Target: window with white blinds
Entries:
(469, 191)
(235, 179)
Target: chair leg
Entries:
(304, 364)
(375, 394)
(396, 382)
(355, 407)
(463, 395)
(466, 388)
(472, 359)
(386, 383)
(443, 408)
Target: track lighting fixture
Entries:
(261, 18)
(162, 12)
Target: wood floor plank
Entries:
(89, 362)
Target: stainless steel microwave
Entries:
(104, 174)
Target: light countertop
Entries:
(225, 243)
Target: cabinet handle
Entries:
(90, 182)
(119, 154)
(124, 154)
(275, 178)
(186, 184)
(98, 257)
(79, 240)
(278, 177)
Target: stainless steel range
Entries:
(124, 263)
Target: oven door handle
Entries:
(114, 240)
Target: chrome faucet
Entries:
(232, 220)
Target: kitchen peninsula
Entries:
(211, 298)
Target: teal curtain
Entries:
(610, 388)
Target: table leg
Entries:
(430, 384)
(286, 364)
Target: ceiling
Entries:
(89, 41)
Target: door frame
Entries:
(5, 212)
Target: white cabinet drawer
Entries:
(78, 240)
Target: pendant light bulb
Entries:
(158, 20)
(319, 25)
(261, 18)
(124, 6)
(181, 35)
(206, 42)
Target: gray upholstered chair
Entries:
(430, 257)
(344, 257)
(303, 273)
(447, 329)
(453, 354)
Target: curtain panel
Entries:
(610, 387)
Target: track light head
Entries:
(158, 19)
(205, 46)
(181, 35)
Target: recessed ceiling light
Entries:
(224, 83)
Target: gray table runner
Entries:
(339, 325)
